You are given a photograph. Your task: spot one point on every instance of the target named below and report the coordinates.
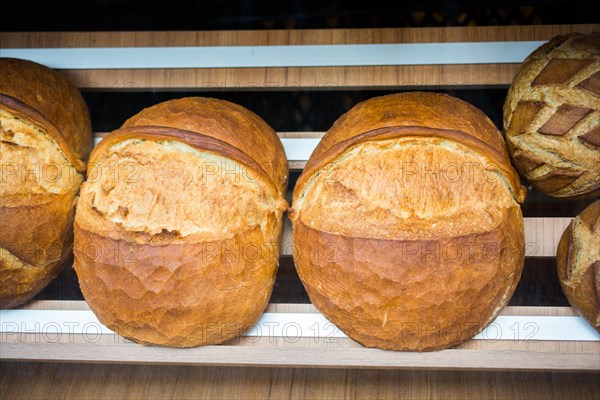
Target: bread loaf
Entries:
(177, 227)
(578, 264)
(407, 226)
(552, 117)
(45, 136)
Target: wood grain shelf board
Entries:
(307, 352)
(257, 356)
(103, 381)
(295, 78)
(277, 37)
(291, 78)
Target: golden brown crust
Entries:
(420, 114)
(165, 192)
(195, 140)
(49, 100)
(177, 295)
(224, 121)
(411, 295)
(45, 133)
(180, 274)
(417, 262)
(327, 156)
(578, 264)
(552, 117)
(461, 191)
(424, 109)
(33, 254)
(43, 228)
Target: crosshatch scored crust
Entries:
(552, 117)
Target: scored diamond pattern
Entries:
(592, 83)
(559, 70)
(563, 120)
(523, 115)
(592, 137)
(552, 117)
(556, 180)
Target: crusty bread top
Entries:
(224, 121)
(41, 95)
(419, 166)
(155, 191)
(413, 109)
(408, 188)
(33, 166)
(181, 176)
(414, 114)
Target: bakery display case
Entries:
(121, 72)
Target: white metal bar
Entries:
(277, 56)
(296, 149)
(299, 149)
(53, 323)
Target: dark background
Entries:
(106, 15)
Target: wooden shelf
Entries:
(541, 234)
(305, 351)
(291, 78)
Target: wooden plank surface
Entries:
(294, 78)
(109, 350)
(288, 37)
(94, 381)
(305, 351)
(321, 78)
(132, 381)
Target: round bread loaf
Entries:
(552, 117)
(177, 227)
(408, 233)
(45, 136)
(578, 264)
